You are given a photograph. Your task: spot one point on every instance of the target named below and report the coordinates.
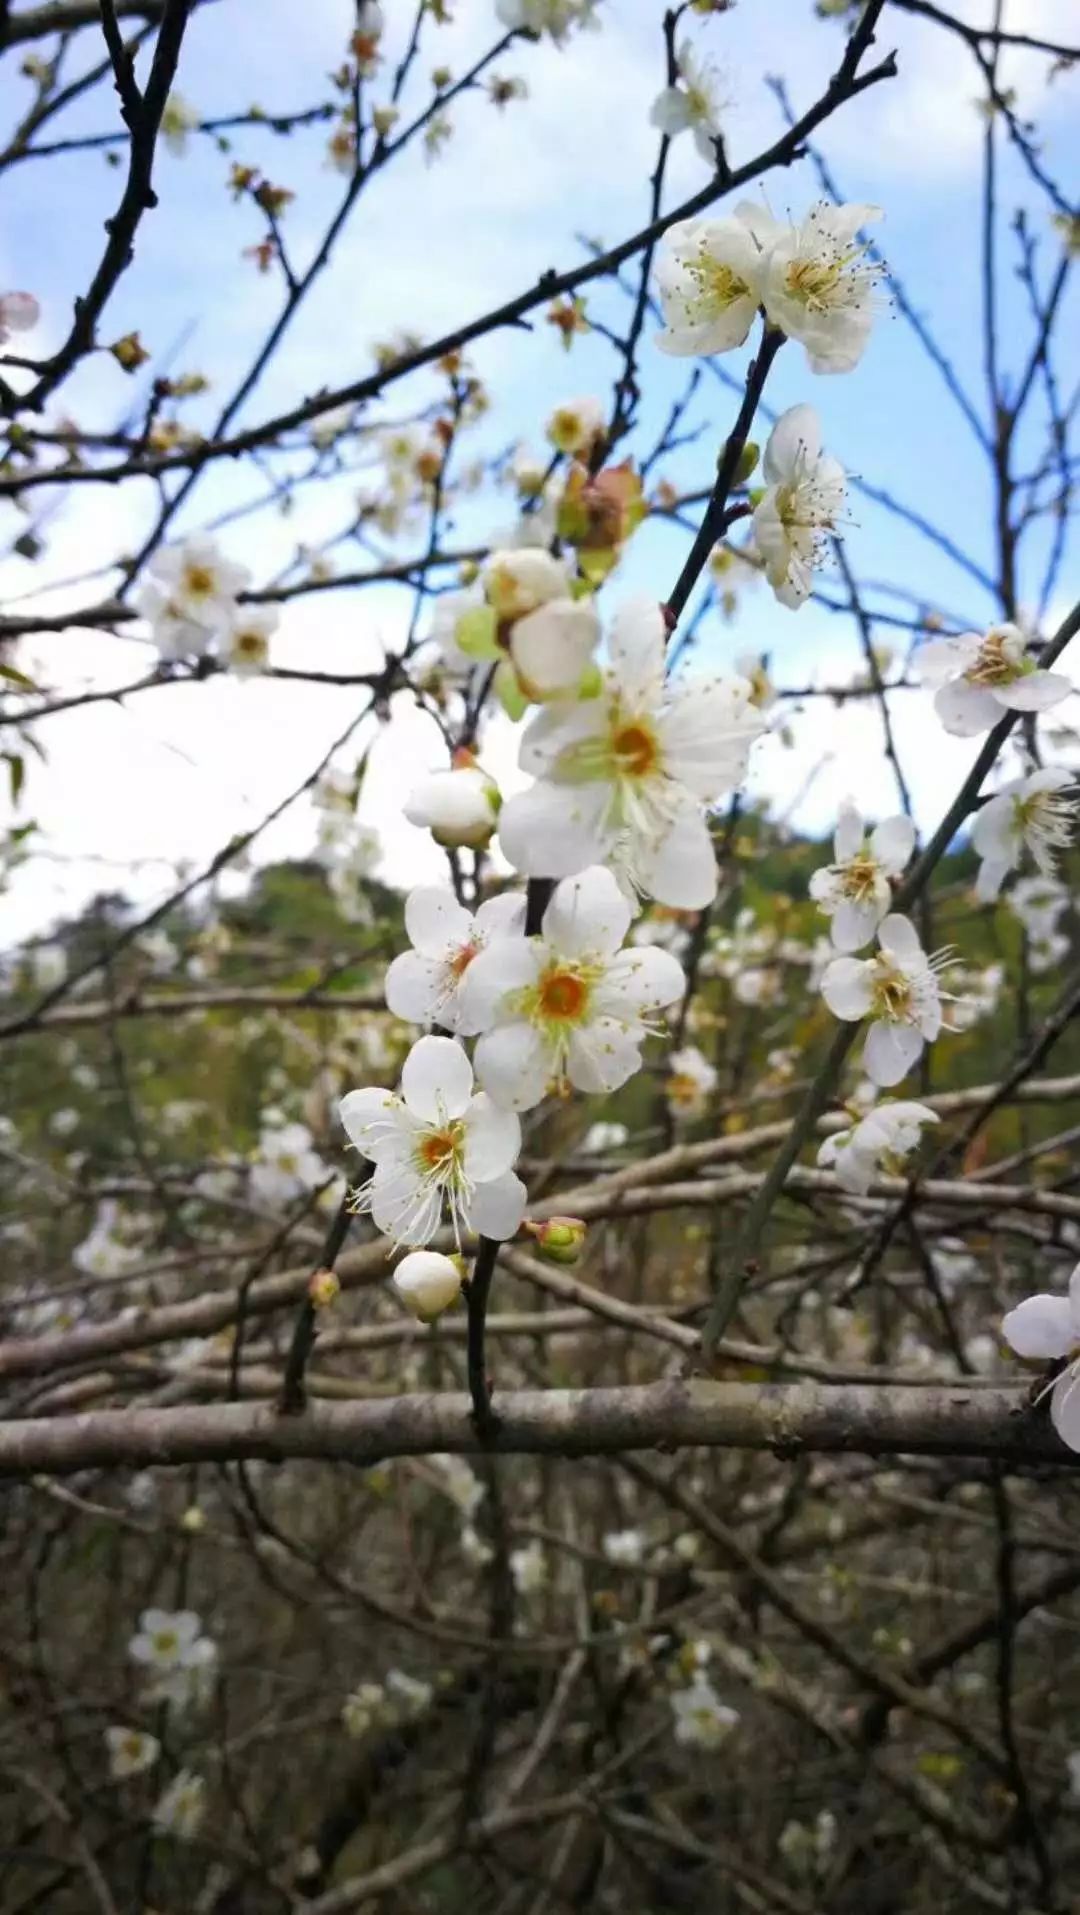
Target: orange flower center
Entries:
(439, 1148)
(200, 580)
(562, 995)
(635, 749)
(462, 959)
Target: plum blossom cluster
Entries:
(179, 1660)
(192, 603)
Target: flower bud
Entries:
(746, 462)
(427, 1283)
(518, 580)
(558, 1239)
(458, 807)
(323, 1289)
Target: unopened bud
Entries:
(322, 1289)
(458, 807)
(428, 1283)
(558, 1239)
(745, 463)
(129, 352)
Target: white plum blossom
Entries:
(576, 425)
(287, 1165)
(459, 806)
(693, 104)
(19, 312)
(552, 648)
(518, 579)
(182, 1807)
(624, 1546)
(710, 275)
(178, 119)
(877, 1145)
(47, 965)
(427, 1283)
(408, 1695)
(1038, 903)
(528, 1566)
(435, 1142)
(180, 1660)
(130, 1751)
(803, 500)
(190, 596)
(855, 891)
(604, 1137)
(555, 17)
(363, 1709)
(702, 1721)
(622, 778)
(897, 991)
(978, 679)
(247, 650)
(424, 985)
(819, 285)
(1047, 1328)
(569, 1004)
(1030, 814)
(102, 1253)
(689, 1084)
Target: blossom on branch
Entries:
(424, 985)
(1030, 814)
(693, 104)
(435, 1143)
(1046, 1328)
(877, 1145)
(979, 679)
(855, 891)
(622, 778)
(569, 1006)
(803, 501)
(710, 275)
(897, 991)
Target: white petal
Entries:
(644, 977)
(587, 914)
(707, 731)
(681, 869)
(1041, 1326)
(502, 916)
(670, 112)
(847, 987)
(850, 830)
(1036, 691)
(403, 1206)
(553, 830)
(601, 1056)
(364, 1115)
(492, 1140)
(513, 1065)
(506, 965)
(1065, 1409)
(890, 1051)
(893, 843)
(966, 710)
(854, 924)
(898, 936)
(496, 1208)
(941, 659)
(413, 987)
(434, 920)
(636, 647)
(436, 1079)
(552, 646)
(992, 875)
(793, 443)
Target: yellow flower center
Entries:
(892, 993)
(860, 877)
(719, 285)
(438, 1150)
(199, 580)
(166, 1642)
(814, 282)
(993, 665)
(683, 1089)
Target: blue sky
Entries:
(174, 773)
